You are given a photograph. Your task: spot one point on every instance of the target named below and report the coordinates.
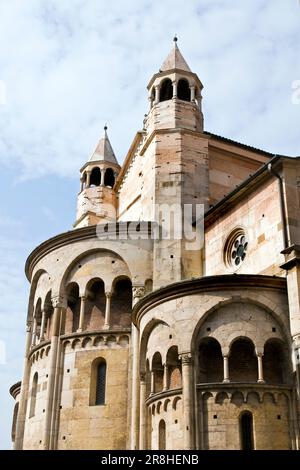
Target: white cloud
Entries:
(71, 67)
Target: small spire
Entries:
(175, 59)
(104, 151)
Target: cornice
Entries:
(74, 236)
(15, 389)
(203, 285)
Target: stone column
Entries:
(135, 391)
(49, 405)
(88, 178)
(143, 413)
(152, 385)
(103, 171)
(192, 88)
(81, 316)
(157, 93)
(34, 331)
(137, 292)
(187, 395)
(174, 89)
(226, 369)
(260, 368)
(43, 324)
(18, 445)
(107, 310)
(166, 377)
(81, 184)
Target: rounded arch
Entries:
(183, 90)
(95, 304)
(73, 307)
(121, 301)
(228, 302)
(162, 435)
(34, 282)
(166, 404)
(95, 178)
(158, 372)
(242, 360)
(166, 90)
(175, 403)
(109, 178)
(237, 398)
(221, 397)
(276, 365)
(210, 361)
(78, 260)
(145, 338)
(38, 309)
(173, 366)
(98, 381)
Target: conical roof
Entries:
(103, 151)
(175, 60)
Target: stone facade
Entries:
(139, 339)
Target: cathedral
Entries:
(168, 317)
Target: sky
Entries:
(69, 68)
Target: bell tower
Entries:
(97, 198)
(175, 95)
(178, 148)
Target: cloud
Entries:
(71, 67)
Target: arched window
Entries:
(158, 371)
(183, 90)
(246, 431)
(109, 178)
(162, 435)
(166, 90)
(95, 177)
(210, 361)
(73, 308)
(274, 362)
(243, 361)
(121, 302)
(173, 369)
(94, 314)
(100, 384)
(33, 395)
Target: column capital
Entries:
(259, 351)
(108, 294)
(138, 291)
(58, 301)
(142, 376)
(186, 358)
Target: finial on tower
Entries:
(175, 39)
(105, 127)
